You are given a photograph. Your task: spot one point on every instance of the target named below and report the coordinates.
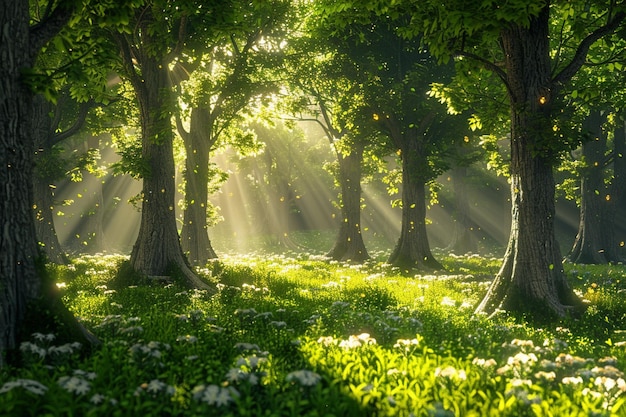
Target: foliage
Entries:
(295, 334)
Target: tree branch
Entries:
(580, 56)
(50, 26)
(127, 59)
(486, 63)
(180, 41)
(78, 123)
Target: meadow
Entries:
(294, 334)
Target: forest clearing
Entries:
(312, 207)
(295, 335)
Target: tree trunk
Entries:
(43, 194)
(19, 282)
(412, 249)
(194, 234)
(21, 286)
(349, 244)
(157, 249)
(463, 235)
(531, 278)
(614, 222)
(43, 204)
(591, 246)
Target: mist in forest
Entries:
(285, 189)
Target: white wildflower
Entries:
(29, 385)
(74, 384)
(327, 340)
(484, 363)
(97, 399)
(214, 395)
(155, 386)
(548, 376)
(451, 372)
(448, 302)
(234, 375)
(572, 380)
(304, 377)
(406, 344)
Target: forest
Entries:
(312, 207)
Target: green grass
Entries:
(294, 334)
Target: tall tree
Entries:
(232, 73)
(395, 74)
(52, 124)
(21, 284)
(330, 100)
(513, 41)
(158, 33)
(590, 245)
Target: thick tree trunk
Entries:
(157, 248)
(194, 234)
(43, 190)
(43, 204)
(20, 284)
(531, 278)
(591, 246)
(412, 249)
(463, 235)
(349, 244)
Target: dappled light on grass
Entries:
(297, 334)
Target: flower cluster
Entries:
(357, 341)
(32, 386)
(215, 395)
(78, 383)
(248, 369)
(42, 351)
(148, 354)
(304, 378)
(451, 373)
(407, 345)
(154, 388)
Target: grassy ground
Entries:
(294, 334)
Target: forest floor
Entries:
(295, 334)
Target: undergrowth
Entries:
(297, 334)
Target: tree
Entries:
(531, 274)
(21, 283)
(590, 247)
(395, 74)
(598, 94)
(52, 124)
(328, 99)
(232, 73)
(158, 34)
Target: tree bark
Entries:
(531, 278)
(19, 282)
(194, 234)
(21, 286)
(43, 189)
(412, 249)
(591, 246)
(349, 243)
(157, 249)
